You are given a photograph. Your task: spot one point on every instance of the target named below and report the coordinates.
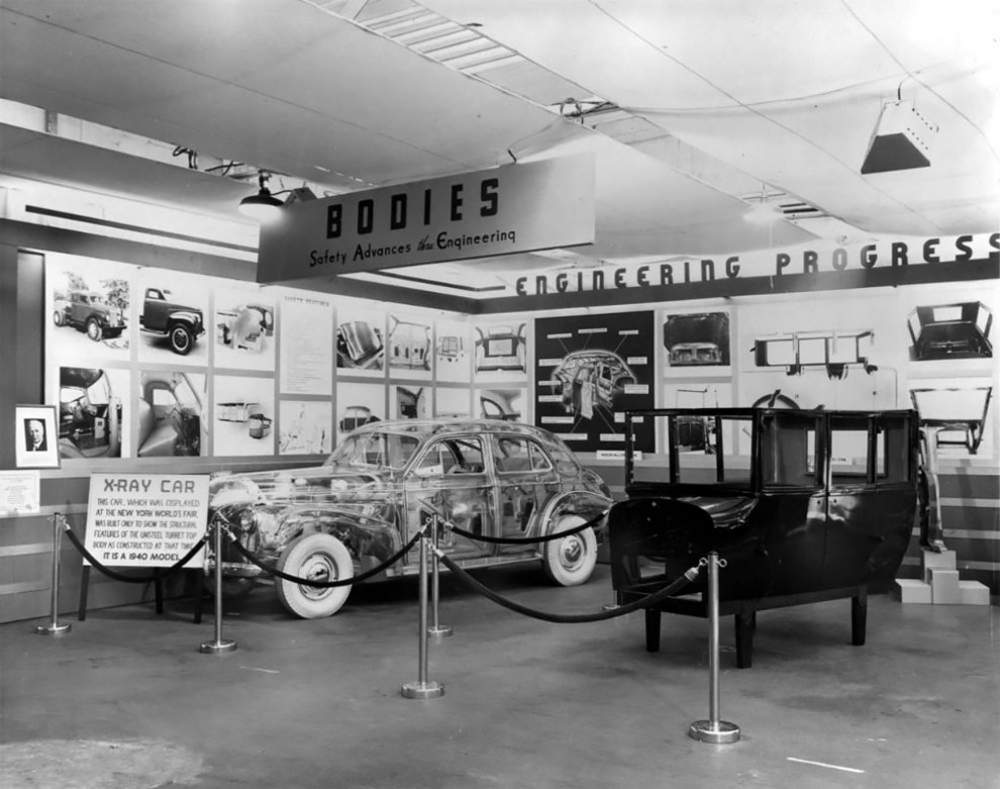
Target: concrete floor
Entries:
(126, 699)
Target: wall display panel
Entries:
(588, 370)
(171, 414)
(959, 414)
(695, 342)
(950, 329)
(89, 304)
(449, 401)
(306, 343)
(697, 434)
(94, 412)
(409, 401)
(502, 403)
(452, 352)
(173, 317)
(500, 350)
(243, 416)
(409, 345)
(359, 404)
(244, 327)
(360, 339)
(306, 427)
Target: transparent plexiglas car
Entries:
(487, 477)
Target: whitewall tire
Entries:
(571, 560)
(317, 557)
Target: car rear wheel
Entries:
(316, 557)
(181, 339)
(571, 560)
(57, 318)
(94, 330)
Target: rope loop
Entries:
(525, 540)
(645, 602)
(157, 575)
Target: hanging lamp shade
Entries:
(262, 206)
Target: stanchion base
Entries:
(714, 731)
(52, 630)
(217, 647)
(422, 690)
(440, 631)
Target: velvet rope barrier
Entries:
(645, 602)
(132, 579)
(324, 584)
(525, 540)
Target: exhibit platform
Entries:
(125, 698)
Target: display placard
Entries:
(515, 208)
(19, 493)
(146, 520)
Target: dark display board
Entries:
(590, 369)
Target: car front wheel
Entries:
(316, 557)
(181, 339)
(94, 330)
(570, 561)
(57, 318)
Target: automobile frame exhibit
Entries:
(824, 509)
(386, 481)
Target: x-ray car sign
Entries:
(514, 208)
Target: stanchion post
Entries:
(219, 645)
(54, 628)
(714, 730)
(436, 629)
(422, 688)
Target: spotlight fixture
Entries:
(263, 206)
(901, 140)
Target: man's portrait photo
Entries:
(36, 443)
(35, 439)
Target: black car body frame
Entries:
(823, 510)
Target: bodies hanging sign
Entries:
(146, 520)
(515, 208)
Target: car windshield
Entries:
(374, 450)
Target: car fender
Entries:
(363, 535)
(584, 503)
(183, 316)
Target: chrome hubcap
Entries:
(317, 567)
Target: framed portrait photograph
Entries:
(36, 436)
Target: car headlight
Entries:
(227, 492)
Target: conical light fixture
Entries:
(263, 206)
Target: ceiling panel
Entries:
(718, 100)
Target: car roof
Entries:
(424, 428)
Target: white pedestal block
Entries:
(912, 590)
(974, 593)
(944, 586)
(931, 560)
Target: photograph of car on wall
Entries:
(361, 341)
(170, 413)
(950, 331)
(92, 412)
(501, 351)
(409, 346)
(88, 310)
(695, 340)
(244, 329)
(588, 370)
(173, 317)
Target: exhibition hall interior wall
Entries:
(257, 376)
